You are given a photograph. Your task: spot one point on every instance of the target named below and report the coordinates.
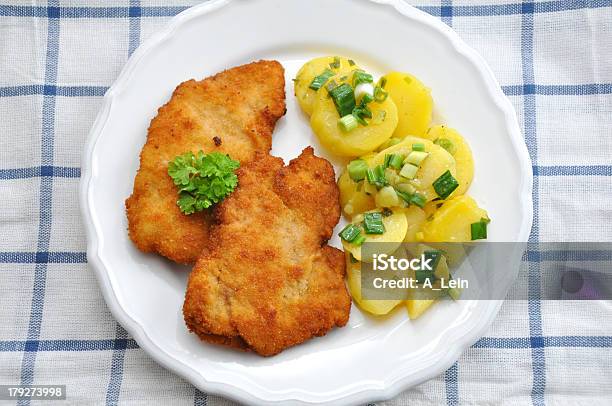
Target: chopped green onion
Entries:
(361, 112)
(409, 171)
(418, 146)
(348, 123)
(373, 224)
(335, 64)
(396, 161)
(387, 160)
(360, 76)
(446, 144)
(380, 94)
(360, 120)
(383, 82)
(344, 99)
(359, 240)
(479, 230)
(350, 232)
(351, 62)
(376, 176)
(357, 169)
(416, 157)
(435, 256)
(418, 200)
(445, 184)
(405, 196)
(320, 80)
(406, 188)
(366, 98)
(379, 172)
(371, 176)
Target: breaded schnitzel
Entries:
(233, 112)
(269, 280)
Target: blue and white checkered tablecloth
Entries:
(554, 60)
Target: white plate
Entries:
(368, 359)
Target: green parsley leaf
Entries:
(202, 179)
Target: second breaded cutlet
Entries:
(232, 112)
(269, 280)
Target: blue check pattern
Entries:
(57, 59)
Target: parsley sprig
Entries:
(202, 179)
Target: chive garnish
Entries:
(446, 144)
(320, 80)
(348, 123)
(435, 256)
(418, 200)
(336, 63)
(361, 77)
(396, 161)
(418, 146)
(405, 196)
(359, 240)
(479, 229)
(357, 169)
(366, 98)
(387, 160)
(380, 95)
(445, 184)
(344, 99)
(373, 223)
(350, 233)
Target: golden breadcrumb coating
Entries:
(233, 112)
(269, 280)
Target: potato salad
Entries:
(406, 179)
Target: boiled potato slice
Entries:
(413, 101)
(438, 162)
(415, 218)
(396, 226)
(452, 221)
(353, 201)
(305, 95)
(377, 307)
(359, 141)
(460, 150)
(416, 307)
